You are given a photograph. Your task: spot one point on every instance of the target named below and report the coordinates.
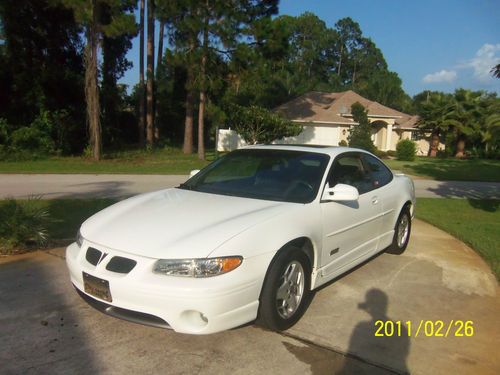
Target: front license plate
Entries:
(97, 287)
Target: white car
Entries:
(248, 237)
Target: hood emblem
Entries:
(102, 258)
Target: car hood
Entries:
(177, 223)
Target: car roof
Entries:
(329, 150)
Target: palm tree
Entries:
(496, 71)
(467, 117)
(435, 116)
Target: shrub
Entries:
(259, 125)
(23, 224)
(381, 154)
(391, 153)
(360, 136)
(406, 150)
(4, 132)
(343, 143)
(32, 140)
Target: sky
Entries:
(431, 44)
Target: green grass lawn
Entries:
(450, 169)
(475, 222)
(173, 161)
(161, 161)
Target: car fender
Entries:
(269, 236)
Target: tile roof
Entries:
(335, 107)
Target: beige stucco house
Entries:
(326, 119)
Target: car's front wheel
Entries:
(402, 232)
(286, 292)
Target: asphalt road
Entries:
(51, 186)
(46, 328)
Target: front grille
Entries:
(93, 256)
(121, 265)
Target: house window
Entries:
(416, 136)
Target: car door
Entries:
(350, 229)
(382, 180)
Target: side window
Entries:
(348, 169)
(380, 175)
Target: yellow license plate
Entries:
(97, 287)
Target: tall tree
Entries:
(41, 65)
(98, 18)
(203, 92)
(150, 75)
(159, 62)
(142, 88)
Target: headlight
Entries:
(205, 267)
(79, 239)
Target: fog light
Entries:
(204, 318)
(194, 318)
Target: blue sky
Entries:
(435, 45)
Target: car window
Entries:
(348, 169)
(282, 175)
(380, 175)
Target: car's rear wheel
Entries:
(286, 292)
(402, 231)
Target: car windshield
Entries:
(280, 175)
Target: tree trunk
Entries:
(460, 147)
(201, 125)
(187, 148)
(158, 64)
(142, 91)
(434, 145)
(150, 76)
(340, 61)
(203, 96)
(92, 90)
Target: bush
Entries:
(381, 154)
(4, 132)
(360, 136)
(343, 143)
(259, 125)
(406, 150)
(23, 224)
(391, 153)
(32, 140)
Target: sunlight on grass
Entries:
(475, 222)
(162, 161)
(450, 169)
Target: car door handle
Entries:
(375, 200)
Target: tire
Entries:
(402, 231)
(277, 313)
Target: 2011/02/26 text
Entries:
(427, 328)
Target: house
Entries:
(327, 120)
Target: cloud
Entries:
(486, 58)
(447, 76)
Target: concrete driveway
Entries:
(47, 329)
(118, 186)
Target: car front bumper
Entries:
(187, 305)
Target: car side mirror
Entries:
(193, 172)
(339, 193)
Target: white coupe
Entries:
(248, 237)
